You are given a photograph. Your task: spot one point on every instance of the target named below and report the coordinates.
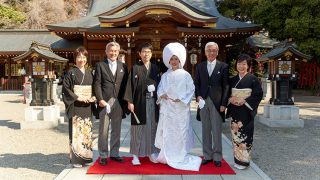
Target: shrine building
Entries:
(130, 23)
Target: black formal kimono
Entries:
(79, 115)
(136, 89)
(143, 133)
(242, 117)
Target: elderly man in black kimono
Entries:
(141, 97)
(110, 79)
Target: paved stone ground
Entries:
(289, 153)
(282, 153)
(29, 154)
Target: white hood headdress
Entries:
(174, 49)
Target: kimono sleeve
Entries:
(160, 90)
(256, 94)
(188, 94)
(69, 97)
(129, 90)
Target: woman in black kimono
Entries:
(78, 109)
(242, 109)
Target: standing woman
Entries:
(77, 97)
(174, 134)
(243, 109)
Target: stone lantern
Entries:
(193, 59)
(39, 60)
(282, 60)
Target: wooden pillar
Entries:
(9, 74)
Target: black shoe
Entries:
(103, 161)
(204, 161)
(118, 159)
(217, 163)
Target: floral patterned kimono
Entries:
(79, 115)
(242, 118)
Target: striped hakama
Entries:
(143, 136)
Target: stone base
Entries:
(41, 117)
(281, 116)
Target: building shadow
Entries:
(10, 124)
(52, 163)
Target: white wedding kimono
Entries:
(174, 133)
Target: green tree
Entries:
(296, 19)
(10, 18)
(237, 9)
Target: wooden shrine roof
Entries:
(281, 49)
(17, 41)
(110, 10)
(40, 50)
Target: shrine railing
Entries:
(12, 84)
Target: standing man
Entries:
(211, 90)
(110, 79)
(141, 96)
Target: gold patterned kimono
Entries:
(79, 115)
(242, 123)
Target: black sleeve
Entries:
(225, 85)
(256, 94)
(128, 95)
(97, 83)
(68, 96)
(197, 81)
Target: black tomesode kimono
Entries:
(143, 133)
(79, 115)
(242, 118)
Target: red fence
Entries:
(308, 75)
(309, 72)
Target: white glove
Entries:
(108, 109)
(151, 88)
(201, 103)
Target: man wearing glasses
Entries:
(141, 96)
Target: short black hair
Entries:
(145, 46)
(80, 50)
(244, 57)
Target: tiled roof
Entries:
(43, 51)
(199, 7)
(20, 40)
(280, 49)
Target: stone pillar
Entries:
(56, 91)
(28, 92)
(266, 87)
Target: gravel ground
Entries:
(29, 154)
(282, 153)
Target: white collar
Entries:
(112, 62)
(213, 62)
